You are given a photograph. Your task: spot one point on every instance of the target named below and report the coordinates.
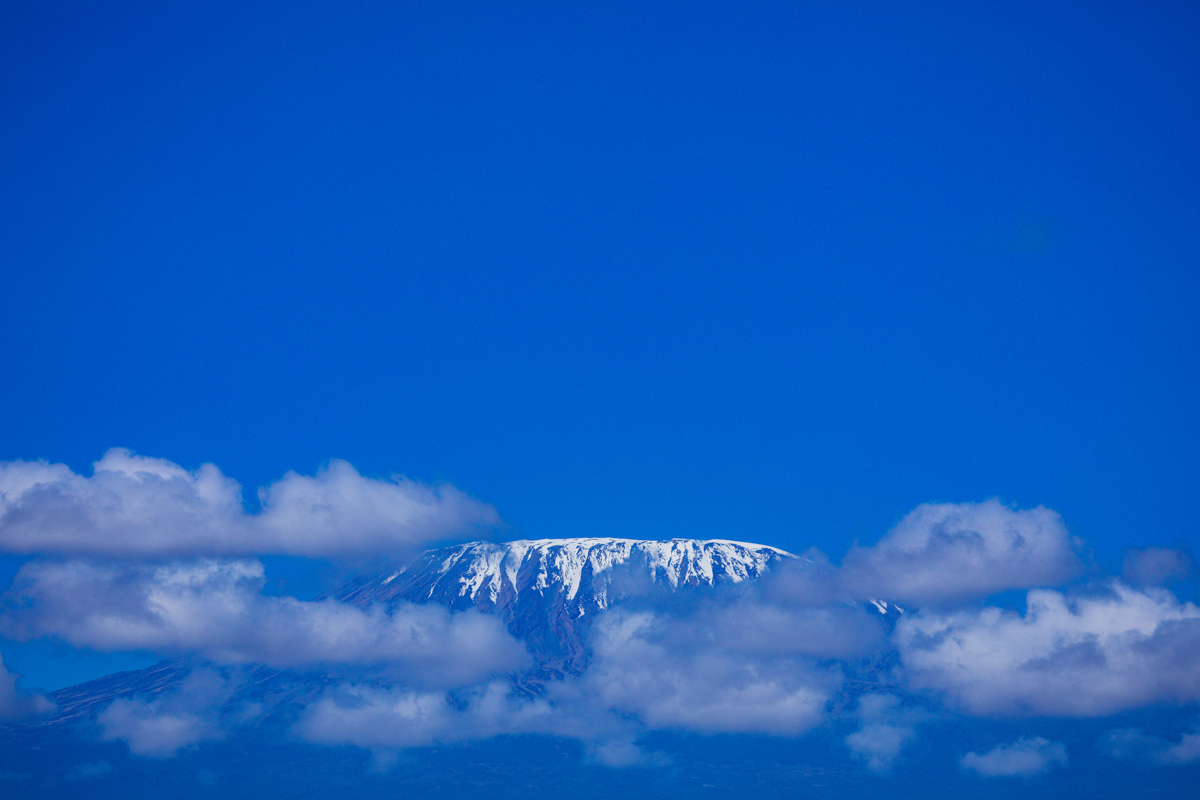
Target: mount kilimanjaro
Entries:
(546, 591)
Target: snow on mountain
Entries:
(580, 571)
(544, 588)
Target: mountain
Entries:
(546, 590)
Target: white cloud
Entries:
(1023, 758)
(213, 607)
(623, 752)
(886, 729)
(1082, 656)
(161, 727)
(1135, 743)
(15, 704)
(637, 669)
(952, 552)
(646, 671)
(138, 507)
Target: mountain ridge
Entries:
(544, 588)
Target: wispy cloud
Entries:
(15, 704)
(886, 728)
(1134, 743)
(162, 726)
(387, 719)
(1157, 566)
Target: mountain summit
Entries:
(544, 589)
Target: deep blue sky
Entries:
(775, 272)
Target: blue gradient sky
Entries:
(773, 272)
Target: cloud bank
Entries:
(214, 608)
(1080, 656)
(135, 507)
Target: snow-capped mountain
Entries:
(547, 592)
(545, 589)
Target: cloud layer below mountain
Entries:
(214, 608)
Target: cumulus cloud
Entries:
(1023, 758)
(946, 552)
(214, 608)
(1134, 743)
(637, 669)
(138, 507)
(1071, 656)
(886, 729)
(15, 704)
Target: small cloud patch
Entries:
(1024, 758)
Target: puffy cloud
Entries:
(159, 728)
(138, 507)
(886, 729)
(1023, 758)
(952, 552)
(15, 704)
(1081, 656)
(1135, 743)
(213, 607)
(638, 669)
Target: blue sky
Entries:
(761, 270)
(773, 272)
